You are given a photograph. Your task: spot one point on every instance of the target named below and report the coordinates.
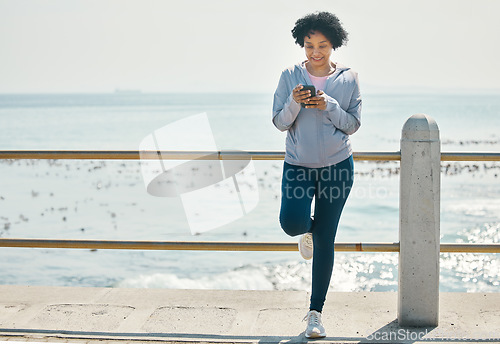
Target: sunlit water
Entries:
(86, 199)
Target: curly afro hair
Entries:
(326, 23)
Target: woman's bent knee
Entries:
(294, 225)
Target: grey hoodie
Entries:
(318, 138)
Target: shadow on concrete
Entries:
(207, 338)
(393, 333)
(390, 333)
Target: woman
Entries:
(318, 160)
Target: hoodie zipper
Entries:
(319, 119)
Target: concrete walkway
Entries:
(109, 315)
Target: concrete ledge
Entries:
(76, 315)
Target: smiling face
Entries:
(318, 49)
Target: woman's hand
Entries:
(317, 102)
(300, 96)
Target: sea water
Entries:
(107, 199)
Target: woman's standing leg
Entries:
(297, 192)
(333, 188)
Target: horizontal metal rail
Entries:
(470, 156)
(219, 155)
(470, 248)
(174, 155)
(227, 246)
(188, 245)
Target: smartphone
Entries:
(310, 88)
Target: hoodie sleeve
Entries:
(346, 121)
(285, 108)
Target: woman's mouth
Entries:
(316, 58)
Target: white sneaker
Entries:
(306, 246)
(315, 327)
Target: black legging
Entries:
(331, 186)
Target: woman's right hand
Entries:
(300, 96)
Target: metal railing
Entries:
(220, 155)
(218, 245)
(227, 245)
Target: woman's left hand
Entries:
(317, 102)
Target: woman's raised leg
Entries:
(297, 192)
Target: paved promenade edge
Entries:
(128, 315)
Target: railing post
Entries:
(418, 289)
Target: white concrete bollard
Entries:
(419, 240)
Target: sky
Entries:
(94, 46)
